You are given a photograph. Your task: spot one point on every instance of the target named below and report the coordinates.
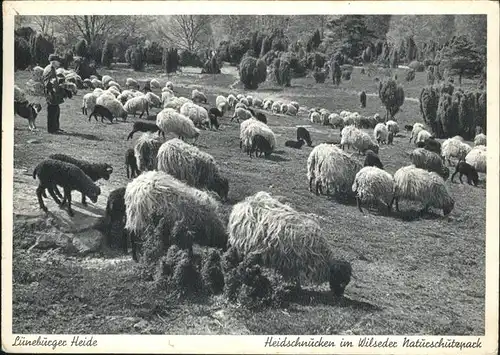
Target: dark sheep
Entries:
(102, 111)
(303, 134)
(131, 164)
(151, 117)
(147, 87)
(431, 145)
(258, 115)
(215, 112)
(145, 126)
(94, 171)
(295, 144)
(390, 138)
(362, 98)
(408, 127)
(260, 145)
(340, 276)
(29, 111)
(51, 173)
(372, 159)
(468, 170)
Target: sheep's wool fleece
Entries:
(454, 148)
(287, 240)
(337, 169)
(477, 158)
(421, 185)
(373, 184)
(169, 120)
(252, 127)
(146, 151)
(480, 139)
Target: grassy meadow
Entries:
(412, 275)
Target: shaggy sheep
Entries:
(169, 85)
(392, 126)
(153, 99)
(249, 100)
(97, 84)
(276, 107)
(131, 164)
(454, 148)
(115, 84)
(257, 103)
(181, 206)
(468, 170)
(176, 103)
(106, 79)
(372, 159)
(195, 113)
(372, 184)
(260, 145)
(241, 113)
(136, 104)
(51, 173)
(423, 186)
(423, 135)
(480, 139)
(144, 126)
(231, 100)
(101, 111)
(417, 127)
(295, 144)
(222, 104)
(315, 117)
(240, 96)
(330, 167)
(380, 133)
(193, 166)
(241, 105)
(88, 103)
(285, 240)
(477, 158)
(290, 110)
(169, 120)
(335, 121)
(360, 140)
(154, 83)
(131, 83)
(252, 127)
(430, 161)
(113, 105)
(166, 96)
(458, 138)
(431, 145)
(267, 104)
(303, 134)
(146, 151)
(198, 96)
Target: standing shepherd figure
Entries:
(54, 95)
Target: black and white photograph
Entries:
(188, 172)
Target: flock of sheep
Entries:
(179, 180)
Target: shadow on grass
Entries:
(90, 137)
(413, 215)
(276, 158)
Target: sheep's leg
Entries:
(460, 178)
(133, 243)
(358, 202)
(318, 188)
(310, 184)
(54, 197)
(128, 173)
(39, 191)
(453, 176)
(395, 199)
(83, 200)
(469, 180)
(67, 195)
(142, 113)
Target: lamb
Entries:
(423, 186)
(380, 133)
(135, 104)
(192, 166)
(131, 83)
(329, 167)
(468, 170)
(295, 144)
(252, 127)
(146, 151)
(392, 126)
(372, 159)
(180, 205)
(358, 139)
(144, 126)
(372, 184)
(154, 83)
(454, 148)
(284, 238)
(431, 145)
(29, 111)
(260, 145)
(231, 100)
(197, 114)
(423, 135)
(198, 96)
(480, 139)
(153, 99)
(430, 161)
(417, 127)
(477, 158)
(222, 104)
(131, 164)
(169, 120)
(303, 134)
(51, 173)
(88, 103)
(102, 111)
(113, 105)
(241, 113)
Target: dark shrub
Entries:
(153, 53)
(41, 48)
(81, 48)
(190, 59)
(22, 55)
(170, 60)
(251, 75)
(107, 55)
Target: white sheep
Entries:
(392, 126)
(480, 139)
(420, 185)
(113, 105)
(231, 100)
(315, 117)
(169, 85)
(252, 127)
(431, 161)
(125, 96)
(169, 120)
(249, 100)
(114, 91)
(115, 84)
(98, 91)
(240, 96)
(381, 133)
(37, 73)
(198, 96)
(146, 151)
(324, 113)
(176, 103)
(166, 96)
(291, 110)
(88, 103)
(458, 138)
(296, 104)
(222, 104)
(417, 127)
(153, 99)
(335, 120)
(96, 83)
(244, 101)
(257, 102)
(131, 83)
(267, 104)
(137, 104)
(241, 113)
(241, 105)
(372, 184)
(276, 107)
(154, 83)
(454, 148)
(197, 114)
(193, 166)
(477, 158)
(283, 108)
(423, 135)
(330, 167)
(105, 80)
(361, 141)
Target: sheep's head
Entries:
(374, 147)
(94, 194)
(221, 186)
(301, 143)
(448, 206)
(445, 173)
(340, 276)
(105, 171)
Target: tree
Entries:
(314, 41)
(137, 58)
(107, 55)
(191, 32)
(45, 23)
(81, 48)
(353, 33)
(22, 55)
(251, 72)
(460, 58)
(41, 48)
(170, 60)
(392, 96)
